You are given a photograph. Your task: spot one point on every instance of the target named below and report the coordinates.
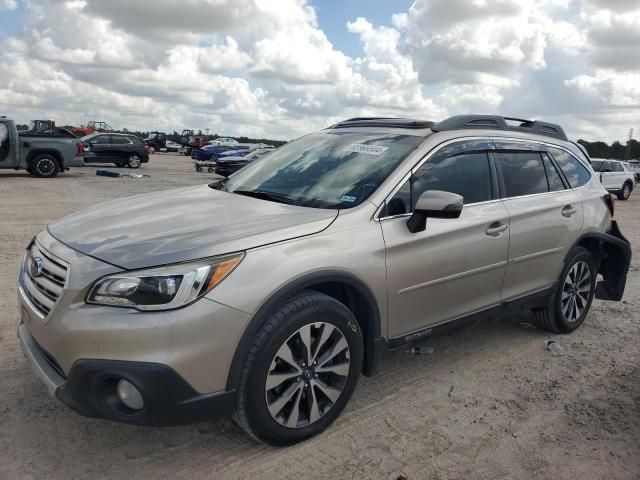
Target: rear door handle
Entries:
(569, 210)
(495, 229)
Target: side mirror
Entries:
(434, 204)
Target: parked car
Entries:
(171, 146)
(224, 141)
(212, 152)
(40, 155)
(119, 148)
(229, 164)
(157, 141)
(267, 294)
(634, 166)
(616, 176)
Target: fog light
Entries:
(130, 395)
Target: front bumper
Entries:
(90, 389)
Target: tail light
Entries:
(80, 148)
(610, 201)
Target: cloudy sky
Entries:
(281, 68)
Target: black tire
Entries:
(134, 161)
(552, 317)
(198, 168)
(625, 193)
(44, 166)
(210, 169)
(310, 308)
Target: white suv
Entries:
(616, 177)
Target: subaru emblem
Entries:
(35, 267)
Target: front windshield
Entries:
(328, 169)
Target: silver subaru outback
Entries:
(267, 294)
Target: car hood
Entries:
(184, 224)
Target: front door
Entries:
(99, 147)
(455, 266)
(8, 157)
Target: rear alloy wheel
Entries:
(625, 192)
(44, 166)
(134, 161)
(574, 294)
(300, 371)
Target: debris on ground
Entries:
(109, 173)
(419, 351)
(554, 347)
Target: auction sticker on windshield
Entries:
(368, 149)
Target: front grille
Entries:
(44, 289)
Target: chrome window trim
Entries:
(378, 218)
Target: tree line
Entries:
(616, 150)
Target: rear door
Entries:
(545, 216)
(619, 175)
(608, 176)
(120, 148)
(455, 266)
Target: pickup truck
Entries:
(41, 156)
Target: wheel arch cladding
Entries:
(345, 288)
(612, 253)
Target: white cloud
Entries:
(266, 67)
(8, 5)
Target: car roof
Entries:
(410, 126)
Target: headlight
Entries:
(162, 288)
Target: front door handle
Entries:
(568, 210)
(495, 229)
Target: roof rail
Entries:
(383, 122)
(496, 122)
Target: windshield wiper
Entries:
(262, 195)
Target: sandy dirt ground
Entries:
(489, 402)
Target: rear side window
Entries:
(576, 173)
(553, 176)
(617, 167)
(100, 140)
(118, 140)
(522, 173)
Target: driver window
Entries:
(467, 174)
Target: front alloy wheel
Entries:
(307, 375)
(300, 370)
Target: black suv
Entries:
(118, 148)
